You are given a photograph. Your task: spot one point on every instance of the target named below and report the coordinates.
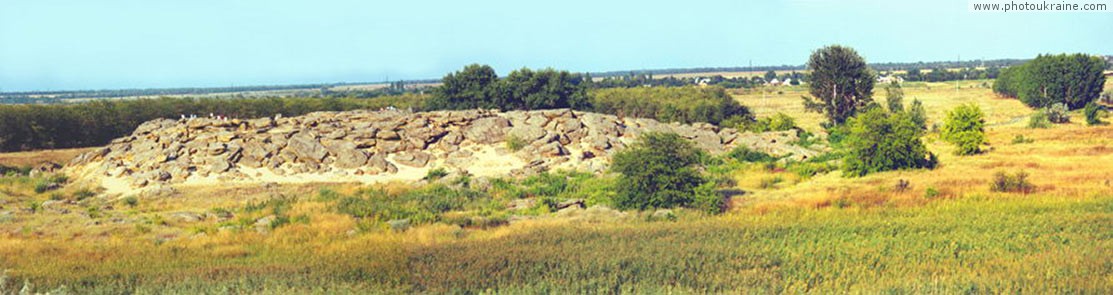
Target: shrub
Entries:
(131, 201)
(965, 128)
(777, 122)
(515, 143)
(707, 199)
(1093, 114)
(83, 193)
(1058, 113)
(1039, 120)
(770, 182)
(1020, 139)
(435, 174)
(44, 186)
(931, 193)
(879, 141)
(1012, 183)
(657, 172)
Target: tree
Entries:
(770, 75)
(917, 113)
(657, 172)
(841, 81)
(894, 97)
(965, 128)
(472, 87)
(879, 141)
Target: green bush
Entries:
(435, 174)
(131, 201)
(879, 141)
(657, 172)
(1093, 114)
(777, 122)
(707, 199)
(1011, 183)
(515, 143)
(671, 104)
(1039, 120)
(965, 128)
(1058, 113)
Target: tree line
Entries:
(1071, 79)
(478, 86)
(94, 123)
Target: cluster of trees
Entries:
(30, 127)
(687, 104)
(1071, 79)
(478, 86)
(873, 138)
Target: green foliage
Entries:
(1011, 183)
(657, 172)
(1039, 120)
(1058, 113)
(894, 97)
(965, 128)
(435, 174)
(1020, 139)
(918, 114)
(879, 141)
(423, 205)
(1074, 80)
(931, 193)
(477, 86)
(777, 122)
(515, 143)
(771, 182)
(707, 199)
(841, 83)
(83, 193)
(671, 104)
(745, 154)
(1093, 114)
(131, 201)
(43, 186)
(95, 123)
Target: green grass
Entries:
(970, 245)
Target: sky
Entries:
(113, 44)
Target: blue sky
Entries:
(111, 44)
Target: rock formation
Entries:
(375, 145)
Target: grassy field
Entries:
(945, 232)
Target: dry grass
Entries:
(945, 233)
(32, 158)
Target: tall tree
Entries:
(841, 83)
(894, 97)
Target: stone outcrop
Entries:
(370, 143)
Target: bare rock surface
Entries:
(388, 145)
